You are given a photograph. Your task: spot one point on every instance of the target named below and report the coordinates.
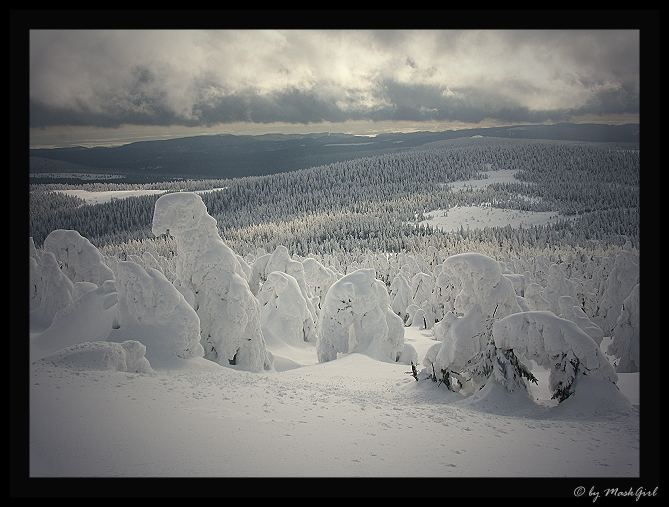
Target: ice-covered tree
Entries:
(625, 344)
(284, 313)
(229, 313)
(356, 317)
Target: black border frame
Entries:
(21, 21)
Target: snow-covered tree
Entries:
(556, 344)
(51, 291)
(571, 311)
(485, 295)
(400, 294)
(229, 313)
(535, 299)
(356, 317)
(284, 313)
(625, 344)
(154, 312)
(622, 278)
(78, 258)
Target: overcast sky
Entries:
(110, 86)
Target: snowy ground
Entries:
(479, 217)
(351, 417)
(108, 195)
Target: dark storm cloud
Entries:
(191, 78)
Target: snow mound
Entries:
(153, 310)
(90, 318)
(213, 281)
(127, 356)
(356, 317)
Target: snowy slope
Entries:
(350, 417)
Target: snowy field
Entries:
(479, 217)
(108, 195)
(350, 417)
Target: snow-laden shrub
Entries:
(258, 275)
(318, 279)
(153, 311)
(284, 314)
(421, 288)
(622, 278)
(558, 285)
(625, 344)
(356, 317)
(571, 311)
(400, 296)
(79, 259)
(518, 282)
(446, 288)
(50, 290)
(210, 274)
(558, 345)
(535, 299)
(280, 261)
(127, 356)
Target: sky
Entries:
(105, 87)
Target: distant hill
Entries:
(229, 156)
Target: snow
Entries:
(351, 417)
(285, 317)
(479, 217)
(126, 356)
(214, 283)
(99, 197)
(356, 317)
(88, 319)
(153, 311)
(79, 259)
(625, 342)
